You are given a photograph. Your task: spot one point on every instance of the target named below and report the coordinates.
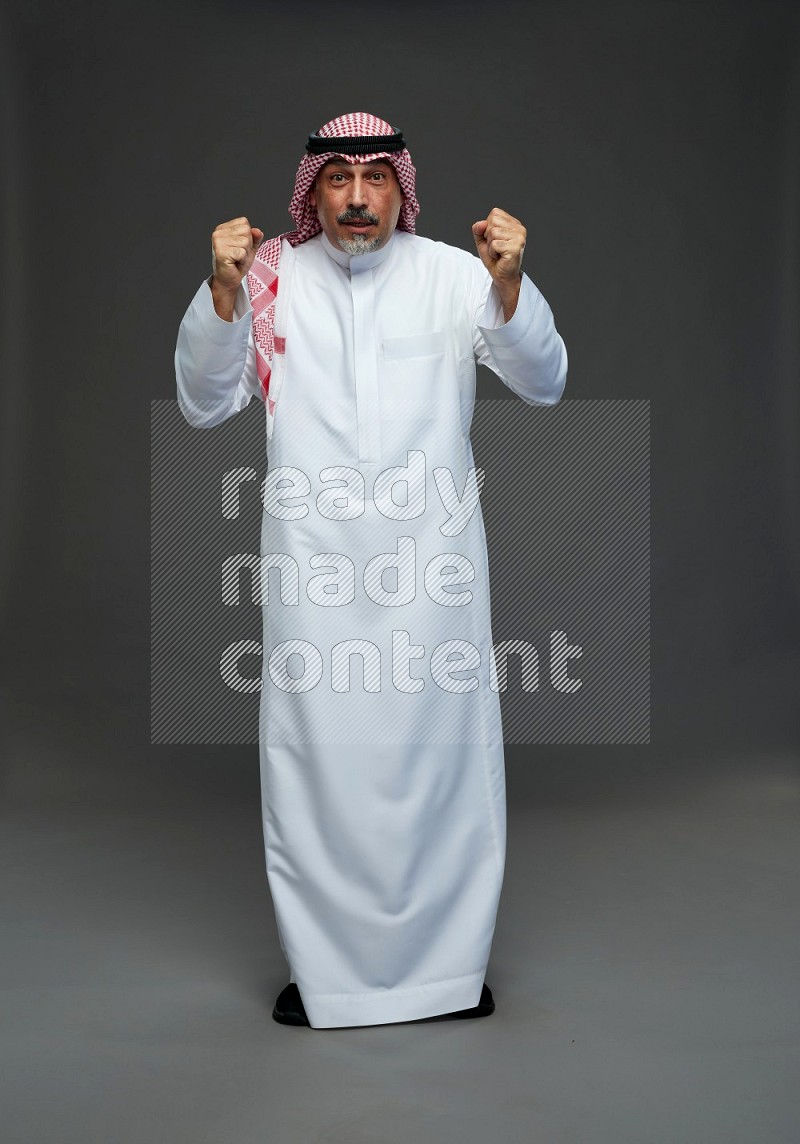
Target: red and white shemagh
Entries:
(262, 279)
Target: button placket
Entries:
(365, 367)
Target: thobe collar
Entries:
(356, 263)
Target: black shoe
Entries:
(289, 1007)
(484, 1008)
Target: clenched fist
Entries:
(233, 248)
(500, 239)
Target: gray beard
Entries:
(359, 244)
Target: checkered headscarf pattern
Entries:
(262, 280)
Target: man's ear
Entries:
(312, 197)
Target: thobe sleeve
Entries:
(527, 353)
(215, 360)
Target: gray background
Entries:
(645, 958)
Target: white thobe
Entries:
(382, 775)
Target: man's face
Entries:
(358, 204)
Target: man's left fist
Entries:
(500, 239)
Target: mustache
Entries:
(358, 214)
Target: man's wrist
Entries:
(224, 299)
(509, 296)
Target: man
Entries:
(381, 744)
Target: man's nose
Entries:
(358, 192)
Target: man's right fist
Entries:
(233, 248)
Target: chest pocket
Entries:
(412, 376)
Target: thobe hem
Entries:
(389, 1006)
